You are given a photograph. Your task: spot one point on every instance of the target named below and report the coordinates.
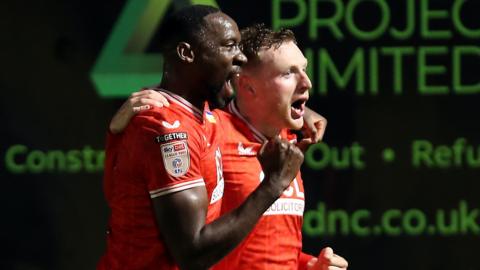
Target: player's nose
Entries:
(304, 81)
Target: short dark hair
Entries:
(187, 24)
(258, 37)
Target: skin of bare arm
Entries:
(137, 102)
(181, 216)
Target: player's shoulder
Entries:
(166, 113)
(169, 117)
(225, 118)
(221, 113)
(234, 129)
(166, 121)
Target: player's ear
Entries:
(185, 52)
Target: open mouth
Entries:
(228, 89)
(228, 86)
(298, 108)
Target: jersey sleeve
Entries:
(170, 151)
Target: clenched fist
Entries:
(280, 162)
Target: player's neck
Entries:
(183, 88)
(256, 117)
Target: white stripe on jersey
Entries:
(177, 187)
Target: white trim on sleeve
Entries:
(178, 187)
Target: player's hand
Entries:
(280, 162)
(327, 260)
(314, 126)
(137, 102)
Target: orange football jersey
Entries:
(276, 241)
(163, 150)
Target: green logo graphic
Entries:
(123, 66)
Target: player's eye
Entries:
(231, 45)
(287, 73)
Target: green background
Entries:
(368, 194)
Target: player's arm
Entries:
(195, 245)
(181, 214)
(314, 126)
(137, 102)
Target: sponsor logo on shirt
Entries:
(171, 137)
(175, 124)
(292, 201)
(245, 151)
(286, 206)
(176, 158)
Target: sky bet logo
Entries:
(123, 66)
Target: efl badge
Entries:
(176, 157)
